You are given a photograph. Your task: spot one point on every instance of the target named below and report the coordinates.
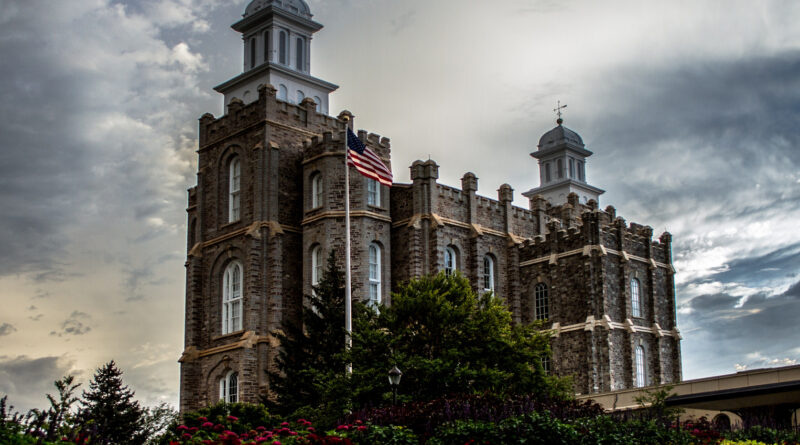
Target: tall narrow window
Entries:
(373, 193)
(541, 302)
(319, 104)
(640, 367)
(547, 177)
(374, 275)
(300, 96)
(283, 92)
(316, 265)
(267, 41)
(232, 299)
(636, 298)
(300, 61)
(580, 171)
(234, 187)
(282, 41)
(450, 261)
(488, 274)
(316, 190)
(571, 168)
(560, 168)
(229, 388)
(252, 52)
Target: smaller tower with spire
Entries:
(562, 166)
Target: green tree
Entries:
(56, 421)
(109, 412)
(311, 350)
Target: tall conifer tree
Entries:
(110, 414)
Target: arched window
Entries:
(488, 274)
(299, 53)
(541, 302)
(283, 93)
(639, 364)
(636, 298)
(229, 388)
(317, 192)
(319, 104)
(571, 168)
(721, 422)
(560, 168)
(232, 298)
(252, 52)
(547, 177)
(234, 187)
(374, 275)
(282, 41)
(450, 259)
(266, 45)
(373, 193)
(316, 265)
(300, 96)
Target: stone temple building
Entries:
(268, 208)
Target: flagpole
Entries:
(348, 319)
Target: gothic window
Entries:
(560, 168)
(450, 265)
(571, 168)
(282, 42)
(580, 171)
(300, 96)
(319, 103)
(636, 298)
(374, 275)
(316, 265)
(316, 190)
(373, 193)
(541, 302)
(300, 62)
(639, 365)
(234, 189)
(488, 274)
(547, 176)
(232, 299)
(229, 388)
(252, 52)
(283, 93)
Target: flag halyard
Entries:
(366, 161)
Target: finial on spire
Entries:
(558, 109)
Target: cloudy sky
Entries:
(691, 109)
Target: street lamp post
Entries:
(394, 381)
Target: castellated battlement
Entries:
(333, 142)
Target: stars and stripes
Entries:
(366, 161)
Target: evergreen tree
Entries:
(109, 412)
(311, 349)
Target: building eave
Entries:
(264, 68)
(541, 154)
(251, 21)
(540, 190)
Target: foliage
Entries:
(766, 435)
(311, 351)
(157, 420)
(110, 414)
(654, 402)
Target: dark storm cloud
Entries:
(29, 379)
(75, 324)
(705, 303)
(7, 329)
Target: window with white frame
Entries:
(373, 192)
(541, 302)
(547, 177)
(316, 265)
(283, 42)
(252, 52)
(571, 168)
(374, 275)
(283, 93)
(300, 61)
(545, 364)
(580, 171)
(488, 274)
(232, 298)
(229, 388)
(450, 265)
(318, 101)
(560, 168)
(636, 298)
(300, 96)
(234, 187)
(640, 368)
(316, 190)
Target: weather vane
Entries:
(558, 112)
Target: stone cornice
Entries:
(253, 230)
(475, 229)
(246, 341)
(340, 214)
(605, 322)
(586, 251)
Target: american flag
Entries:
(366, 161)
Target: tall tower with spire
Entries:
(562, 166)
(277, 51)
